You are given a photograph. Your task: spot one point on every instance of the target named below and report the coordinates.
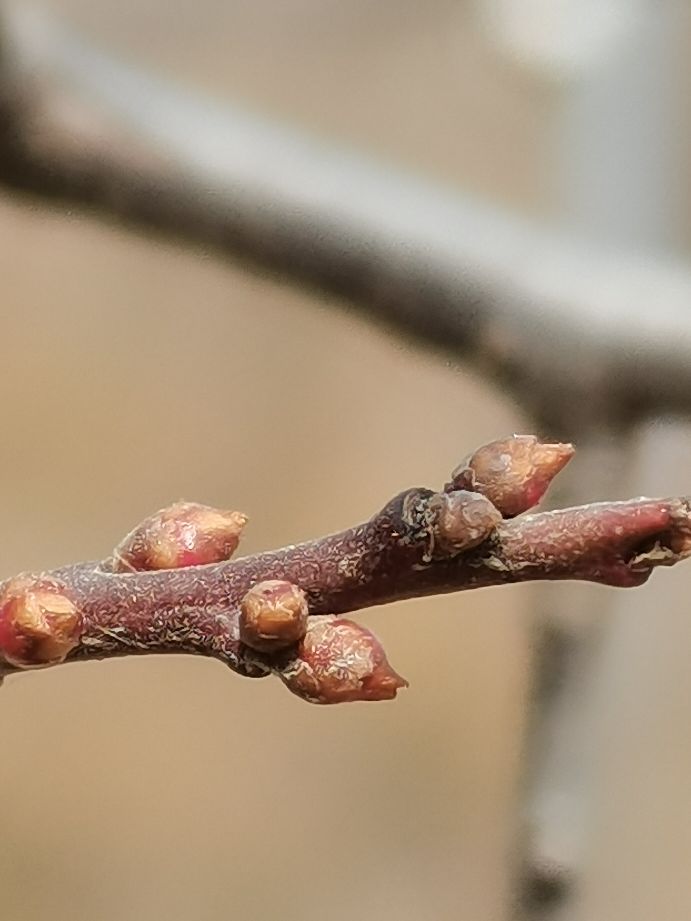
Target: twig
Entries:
(421, 543)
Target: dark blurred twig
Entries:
(78, 125)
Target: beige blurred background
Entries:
(135, 373)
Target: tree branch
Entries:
(78, 126)
(421, 543)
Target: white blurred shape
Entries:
(562, 37)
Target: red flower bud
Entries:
(39, 623)
(273, 615)
(514, 473)
(340, 661)
(184, 534)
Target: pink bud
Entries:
(184, 534)
(39, 623)
(340, 661)
(514, 473)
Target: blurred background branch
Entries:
(456, 274)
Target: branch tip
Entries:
(667, 545)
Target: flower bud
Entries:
(39, 623)
(514, 473)
(273, 615)
(339, 661)
(184, 534)
(460, 520)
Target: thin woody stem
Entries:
(170, 586)
(391, 557)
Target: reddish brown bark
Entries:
(404, 551)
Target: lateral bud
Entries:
(460, 520)
(39, 623)
(273, 615)
(513, 473)
(339, 661)
(184, 534)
